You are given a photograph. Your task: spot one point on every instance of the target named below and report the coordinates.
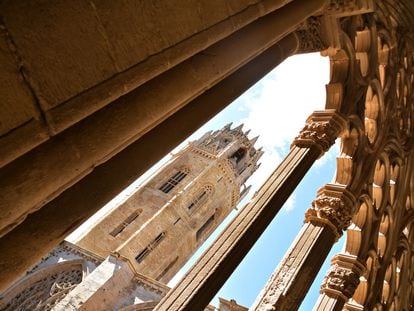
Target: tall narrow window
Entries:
(201, 197)
(150, 247)
(174, 180)
(205, 227)
(125, 223)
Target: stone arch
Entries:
(43, 289)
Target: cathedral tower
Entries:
(162, 224)
(128, 254)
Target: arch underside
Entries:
(372, 76)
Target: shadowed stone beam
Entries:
(77, 75)
(45, 172)
(217, 263)
(329, 216)
(42, 230)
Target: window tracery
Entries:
(121, 227)
(145, 252)
(46, 292)
(201, 197)
(175, 180)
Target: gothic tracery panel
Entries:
(376, 162)
(45, 288)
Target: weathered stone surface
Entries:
(53, 167)
(167, 227)
(53, 222)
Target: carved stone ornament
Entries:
(341, 280)
(310, 36)
(349, 7)
(332, 208)
(321, 130)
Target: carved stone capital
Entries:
(321, 130)
(342, 278)
(334, 206)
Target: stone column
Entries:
(210, 272)
(340, 283)
(330, 214)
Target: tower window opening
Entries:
(205, 227)
(144, 253)
(121, 227)
(201, 198)
(239, 154)
(174, 181)
(168, 268)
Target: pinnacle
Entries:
(254, 140)
(228, 125)
(259, 153)
(239, 127)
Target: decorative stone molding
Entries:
(141, 279)
(209, 154)
(321, 130)
(334, 206)
(342, 278)
(227, 169)
(310, 36)
(342, 8)
(83, 253)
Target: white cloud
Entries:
(290, 204)
(278, 107)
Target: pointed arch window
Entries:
(174, 180)
(144, 253)
(121, 227)
(239, 154)
(201, 197)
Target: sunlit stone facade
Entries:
(130, 252)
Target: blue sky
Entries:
(275, 108)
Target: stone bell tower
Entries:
(161, 225)
(130, 253)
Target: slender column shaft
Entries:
(289, 284)
(329, 215)
(41, 231)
